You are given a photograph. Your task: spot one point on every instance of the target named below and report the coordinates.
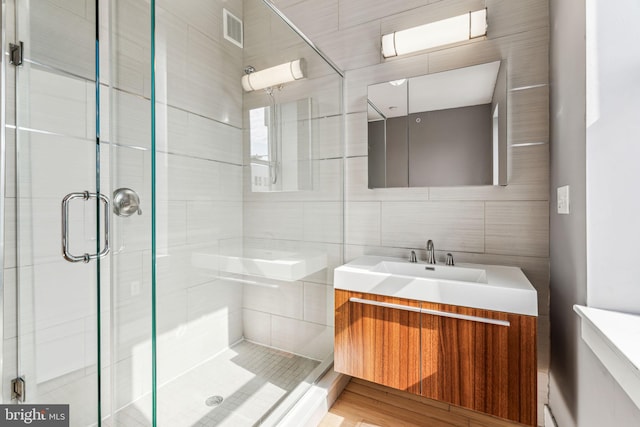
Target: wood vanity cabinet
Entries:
(378, 344)
(463, 360)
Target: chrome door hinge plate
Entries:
(15, 53)
(18, 389)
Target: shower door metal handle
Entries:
(85, 195)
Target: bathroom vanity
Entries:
(464, 335)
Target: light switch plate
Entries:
(563, 200)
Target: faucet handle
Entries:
(413, 257)
(450, 259)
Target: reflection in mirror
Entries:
(280, 144)
(442, 129)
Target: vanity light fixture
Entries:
(274, 76)
(439, 33)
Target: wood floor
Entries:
(364, 404)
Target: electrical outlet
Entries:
(563, 200)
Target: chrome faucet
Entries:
(413, 257)
(431, 253)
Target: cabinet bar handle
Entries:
(432, 312)
(466, 317)
(385, 304)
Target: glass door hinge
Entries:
(16, 53)
(18, 389)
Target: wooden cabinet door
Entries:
(481, 366)
(378, 343)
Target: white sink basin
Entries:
(404, 268)
(490, 287)
(272, 264)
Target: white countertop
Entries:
(614, 337)
(507, 289)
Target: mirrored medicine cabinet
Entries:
(441, 129)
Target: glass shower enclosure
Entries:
(169, 236)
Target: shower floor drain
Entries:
(214, 400)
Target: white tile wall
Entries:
(318, 303)
(52, 284)
(130, 120)
(326, 133)
(197, 136)
(518, 228)
(131, 40)
(456, 226)
(231, 181)
(510, 18)
(529, 115)
(72, 165)
(132, 330)
(357, 12)
(213, 220)
(128, 166)
(525, 164)
(304, 338)
(40, 230)
(212, 88)
(322, 222)
(130, 285)
(257, 326)
(54, 102)
(61, 34)
(186, 178)
(362, 221)
(496, 225)
(326, 17)
(90, 338)
(356, 143)
(274, 220)
(61, 350)
(171, 221)
(354, 47)
(334, 259)
(356, 185)
(275, 297)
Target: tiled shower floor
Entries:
(251, 378)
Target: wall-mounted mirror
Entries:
(441, 129)
(280, 144)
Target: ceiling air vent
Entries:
(232, 28)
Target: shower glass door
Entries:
(61, 317)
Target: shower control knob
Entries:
(126, 202)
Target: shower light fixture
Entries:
(274, 76)
(439, 33)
